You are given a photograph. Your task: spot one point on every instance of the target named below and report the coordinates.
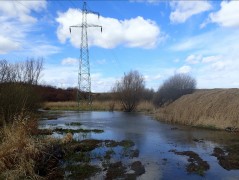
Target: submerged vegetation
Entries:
(228, 157)
(60, 130)
(195, 163)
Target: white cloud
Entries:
(227, 16)
(7, 45)
(210, 59)
(219, 65)
(21, 10)
(17, 22)
(184, 69)
(193, 59)
(67, 76)
(40, 49)
(208, 43)
(69, 61)
(129, 32)
(183, 10)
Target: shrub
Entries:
(129, 90)
(173, 88)
(17, 92)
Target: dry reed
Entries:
(72, 105)
(216, 108)
(18, 151)
(146, 106)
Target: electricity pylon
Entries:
(84, 80)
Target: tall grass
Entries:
(18, 150)
(146, 106)
(72, 105)
(218, 108)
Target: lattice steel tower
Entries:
(84, 80)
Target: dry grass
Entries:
(217, 108)
(72, 105)
(18, 151)
(146, 106)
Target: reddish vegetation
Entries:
(49, 93)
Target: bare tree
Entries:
(33, 70)
(16, 91)
(173, 88)
(25, 72)
(129, 90)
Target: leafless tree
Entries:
(24, 72)
(129, 90)
(173, 88)
(16, 91)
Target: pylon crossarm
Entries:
(92, 12)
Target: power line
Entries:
(84, 80)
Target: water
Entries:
(154, 140)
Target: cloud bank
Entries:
(135, 32)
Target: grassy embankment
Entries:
(215, 108)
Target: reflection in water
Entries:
(154, 140)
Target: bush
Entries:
(129, 90)
(173, 88)
(17, 93)
(16, 98)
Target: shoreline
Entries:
(146, 108)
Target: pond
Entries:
(159, 145)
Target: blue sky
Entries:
(157, 38)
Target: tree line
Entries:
(20, 91)
(131, 88)
(16, 88)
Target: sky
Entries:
(156, 38)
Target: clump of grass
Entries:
(60, 130)
(109, 153)
(146, 106)
(19, 151)
(73, 124)
(123, 143)
(196, 163)
(82, 171)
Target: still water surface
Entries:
(154, 140)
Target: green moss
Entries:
(60, 130)
(85, 145)
(109, 153)
(124, 143)
(82, 171)
(196, 163)
(228, 158)
(73, 124)
(78, 157)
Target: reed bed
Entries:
(216, 108)
(72, 105)
(19, 151)
(146, 106)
